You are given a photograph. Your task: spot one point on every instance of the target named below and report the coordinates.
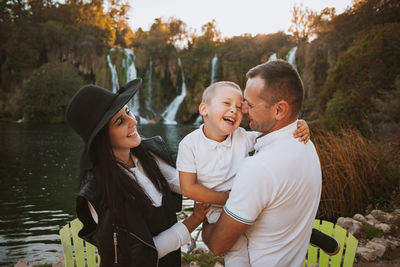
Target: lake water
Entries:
(38, 184)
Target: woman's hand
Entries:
(197, 217)
(200, 210)
(302, 132)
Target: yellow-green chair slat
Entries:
(326, 228)
(77, 252)
(76, 226)
(351, 248)
(348, 247)
(90, 254)
(65, 236)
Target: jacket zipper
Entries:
(141, 240)
(115, 248)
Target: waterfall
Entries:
(128, 64)
(170, 112)
(214, 62)
(114, 75)
(272, 57)
(149, 88)
(291, 56)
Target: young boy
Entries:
(209, 157)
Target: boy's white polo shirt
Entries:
(215, 163)
(277, 192)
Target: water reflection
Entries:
(38, 169)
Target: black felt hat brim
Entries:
(129, 90)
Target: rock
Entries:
(385, 228)
(22, 263)
(359, 217)
(378, 249)
(217, 264)
(59, 262)
(392, 244)
(396, 212)
(194, 264)
(350, 225)
(371, 219)
(383, 216)
(366, 253)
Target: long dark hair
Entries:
(113, 183)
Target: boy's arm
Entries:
(197, 192)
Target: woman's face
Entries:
(123, 132)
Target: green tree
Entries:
(46, 93)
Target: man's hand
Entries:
(221, 236)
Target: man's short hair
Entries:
(282, 82)
(209, 92)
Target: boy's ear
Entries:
(203, 109)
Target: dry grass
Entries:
(354, 173)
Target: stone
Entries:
(59, 262)
(371, 219)
(396, 212)
(194, 264)
(350, 225)
(366, 253)
(378, 249)
(383, 216)
(359, 217)
(385, 228)
(218, 264)
(22, 263)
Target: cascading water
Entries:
(272, 57)
(128, 64)
(149, 88)
(291, 56)
(169, 113)
(113, 70)
(214, 63)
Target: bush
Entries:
(355, 173)
(366, 71)
(46, 93)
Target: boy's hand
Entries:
(302, 132)
(200, 210)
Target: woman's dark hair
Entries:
(114, 185)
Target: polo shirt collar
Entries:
(212, 143)
(267, 139)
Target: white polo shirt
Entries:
(277, 191)
(215, 163)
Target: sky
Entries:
(233, 17)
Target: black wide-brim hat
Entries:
(92, 107)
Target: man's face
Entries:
(261, 115)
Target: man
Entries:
(276, 192)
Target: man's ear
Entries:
(203, 109)
(281, 110)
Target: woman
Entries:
(126, 202)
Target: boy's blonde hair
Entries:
(210, 90)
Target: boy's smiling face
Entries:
(222, 115)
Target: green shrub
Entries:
(370, 231)
(46, 93)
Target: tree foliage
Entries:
(46, 93)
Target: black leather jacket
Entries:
(133, 245)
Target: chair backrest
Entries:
(348, 247)
(77, 252)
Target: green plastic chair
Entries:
(348, 247)
(77, 252)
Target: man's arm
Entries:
(221, 236)
(197, 192)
